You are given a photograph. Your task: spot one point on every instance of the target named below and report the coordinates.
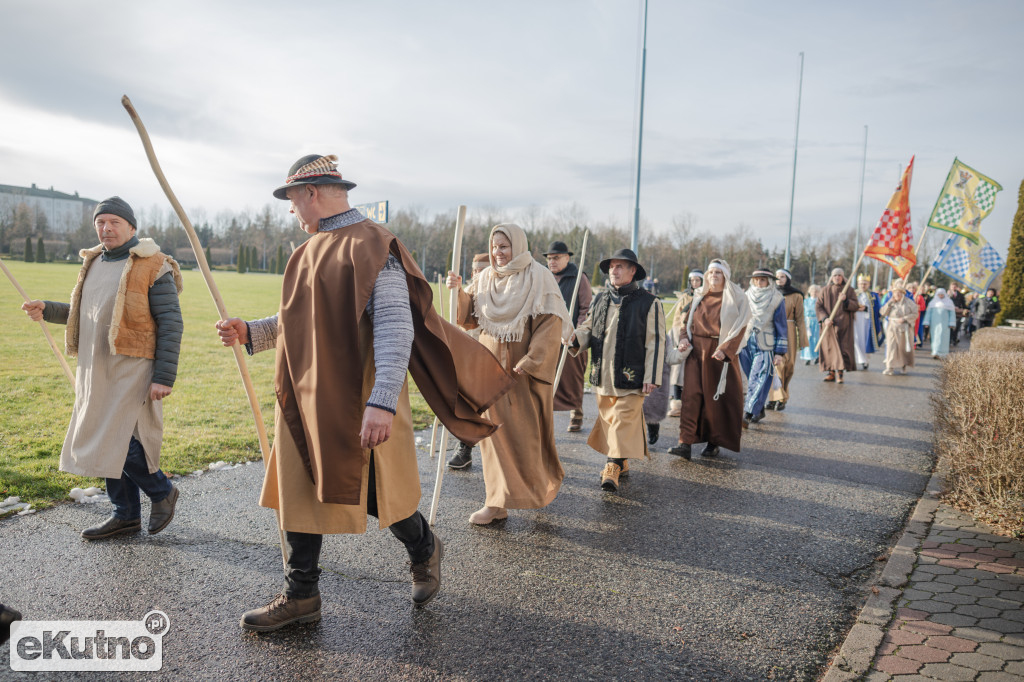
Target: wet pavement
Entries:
(749, 566)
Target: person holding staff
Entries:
(522, 318)
(124, 325)
(356, 316)
(837, 344)
(900, 313)
(625, 332)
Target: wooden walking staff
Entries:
(842, 297)
(453, 307)
(572, 302)
(46, 330)
(222, 310)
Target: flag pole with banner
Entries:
(965, 200)
(891, 241)
(976, 265)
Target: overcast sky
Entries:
(508, 105)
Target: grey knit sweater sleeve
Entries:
(166, 312)
(56, 312)
(391, 315)
(262, 334)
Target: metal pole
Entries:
(860, 210)
(796, 142)
(640, 136)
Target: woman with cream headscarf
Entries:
(940, 317)
(899, 312)
(522, 318)
(712, 409)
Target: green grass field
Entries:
(206, 419)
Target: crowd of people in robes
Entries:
(344, 447)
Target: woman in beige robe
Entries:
(899, 312)
(522, 318)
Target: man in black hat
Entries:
(569, 393)
(356, 317)
(625, 332)
(124, 325)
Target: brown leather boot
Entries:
(162, 512)
(610, 476)
(426, 576)
(283, 610)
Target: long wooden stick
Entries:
(842, 297)
(46, 330)
(453, 306)
(222, 310)
(572, 303)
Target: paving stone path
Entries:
(959, 614)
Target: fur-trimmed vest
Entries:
(132, 328)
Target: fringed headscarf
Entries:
(506, 296)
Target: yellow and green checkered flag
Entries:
(965, 200)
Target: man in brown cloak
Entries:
(356, 315)
(837, 352)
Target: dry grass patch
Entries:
(998, 338)
(979, 435)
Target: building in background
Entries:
(64, 213)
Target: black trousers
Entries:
(303, 573)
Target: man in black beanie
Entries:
(124, 324)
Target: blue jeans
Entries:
(124, 491)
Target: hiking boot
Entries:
(426, 575)
(625, 468)
(652, 433)
(575, 424)
(831, 376)
(7, 617)
(610, 476)
(462, 458)
(283, 610)
(710, 451)
(162, 512)
(112, 526)
(684, 450)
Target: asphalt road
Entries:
(751, 566)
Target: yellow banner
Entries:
(965, 200)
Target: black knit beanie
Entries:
(115, 206)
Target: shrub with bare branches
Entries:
(979, 435)
(998, 338)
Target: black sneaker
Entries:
(462, 458)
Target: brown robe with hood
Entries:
(836, 352)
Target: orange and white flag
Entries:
(892, 241)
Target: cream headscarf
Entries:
(507, 296)
(734, 315)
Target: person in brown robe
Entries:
(712, 410)
(837, 352)
(899, 312)
(356, 316)
(569, 392)
(798, 339)
(522, 318)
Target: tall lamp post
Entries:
(640, 137)
(796, 142)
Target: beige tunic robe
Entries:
(288, 488)
(797, 330)
(520, 460)
(899, 334)
(620, 431)
(111, 391)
